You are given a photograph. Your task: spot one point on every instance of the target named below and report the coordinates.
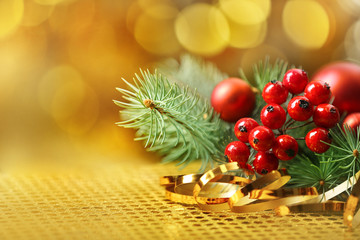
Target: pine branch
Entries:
(264, 72)
(192, 71)
(328, 169)
(171, 120)
(319, 171)
(346, 145)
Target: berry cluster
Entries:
(272, 147)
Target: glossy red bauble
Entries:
(273, 116)
(237, 151)
(300, 108)
(285, 147)
(352, 120)
(344, 81)
(261, 138)
(317, 92)
(316, 140)
(326, 115)
(275, 92)
(295, 80)
(243, 128)
(265, 162)
(233, 99)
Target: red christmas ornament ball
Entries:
(352, 120)
(344, 81)
(233, 98)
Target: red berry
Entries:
(300, 108)
(317, 92)
(285, 147)
(243, 127)
(295, 80)
(265, 162)
(275, 92)
(261, 138)
(352, 121)
(273, 116)
(326, 115)
(315, 140)
(237, 152)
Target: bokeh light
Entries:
(35, 14)
(247, 36)
(202, 29)
(11, 13)
(306, 23)
(246, 12)
(51, 2)
(351, 6)
(69, 100)
(154, 30)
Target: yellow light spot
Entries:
(154, 30)
(247, 36)
(35, 13)
(145, 4)
(202, 29)
(282, 210)
(246, 12)
(306, 23)
(97, 52)
(11, 13)
(71, 20)
(50, 2)
(68, 99)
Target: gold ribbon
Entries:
(216, 190)
(351, 219)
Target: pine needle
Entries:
(174, 121)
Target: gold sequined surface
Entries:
(123, 200)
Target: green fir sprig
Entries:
(327, 170)
(193, 71)
(174, 121)
(318, 171)
(346, 145)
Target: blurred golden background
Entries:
(60, 61)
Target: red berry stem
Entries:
(288, 124)
(299, 126)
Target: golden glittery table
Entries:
(123, 200)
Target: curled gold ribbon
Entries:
(271, 181)
(166, 181)
(328, 207)
(277, 198)
(350, 219)
(189, 199)
(185, 184)
(213, 175)
(215, 190)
